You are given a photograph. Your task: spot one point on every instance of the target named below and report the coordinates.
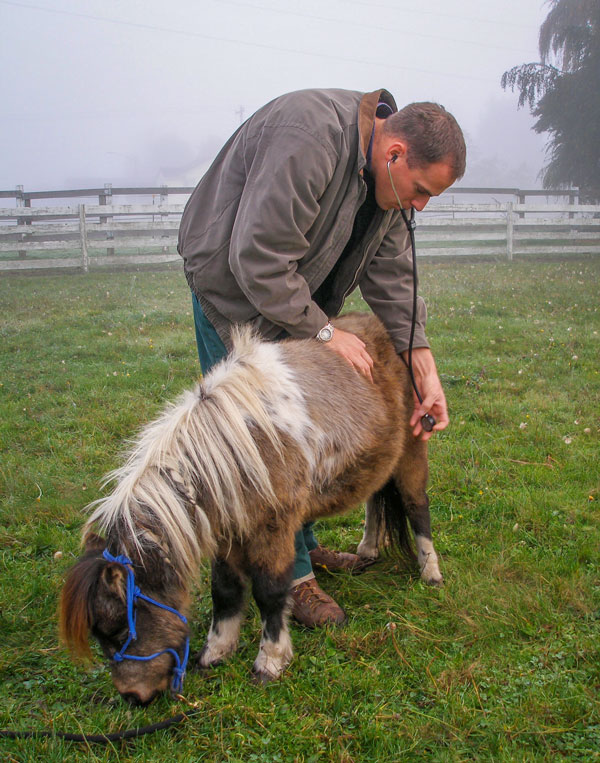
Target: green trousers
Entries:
(210, 351)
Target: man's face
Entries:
(414, 185)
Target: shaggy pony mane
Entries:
(197, 461)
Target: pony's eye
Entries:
(110, 645)
(115, 638)
(121, 636)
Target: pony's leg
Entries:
(270, 592)
(410, 477)
(227, 588)
(373, 534)
(420, 521)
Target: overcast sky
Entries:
(142, 91)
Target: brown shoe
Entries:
(333, 561)
(312, 607)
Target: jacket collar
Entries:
(366, 117)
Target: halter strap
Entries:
(133, 593)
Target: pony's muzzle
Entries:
(136, 700)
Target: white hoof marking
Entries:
(373, 534)
(274, 656)
(222, 640)
(367, 549)
(428, 561)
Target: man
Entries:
(301, 206)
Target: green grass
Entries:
(501, 664)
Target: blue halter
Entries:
(133, 593)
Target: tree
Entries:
(563, 92)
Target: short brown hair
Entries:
(432, 135)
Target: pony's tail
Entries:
(391, 513)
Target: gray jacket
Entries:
(272, 215)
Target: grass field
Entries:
(501, 664)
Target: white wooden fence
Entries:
(86, 236)
(509, 229)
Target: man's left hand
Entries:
(430, 387)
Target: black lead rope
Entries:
(116, 736)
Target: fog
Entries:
(142, 92)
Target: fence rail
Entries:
(94, 235)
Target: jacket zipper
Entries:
(358, 269)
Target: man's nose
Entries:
(419, 203)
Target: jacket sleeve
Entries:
(387, 287)
(288, 173)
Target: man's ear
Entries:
(113, 579)
(396, 147)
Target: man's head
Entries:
(426, 150)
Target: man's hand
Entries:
(430, 387)
(353, 350)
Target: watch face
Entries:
(325, 333)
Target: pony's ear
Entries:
(94, 542)
(114, 579)
(93, 589)
(75, 611)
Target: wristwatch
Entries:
(326, 333)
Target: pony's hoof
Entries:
(201, 661)
(367, 551)
(206, 668)
(435, 582)
(262, 678)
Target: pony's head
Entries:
(133, 614)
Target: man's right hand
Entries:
(353, 350)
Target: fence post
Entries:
(510, 225)
(23, 202)
(164, 199)
(521, 200)
(573, 200)
(105, 198)
(83, 238)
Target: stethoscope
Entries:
(427, 420)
